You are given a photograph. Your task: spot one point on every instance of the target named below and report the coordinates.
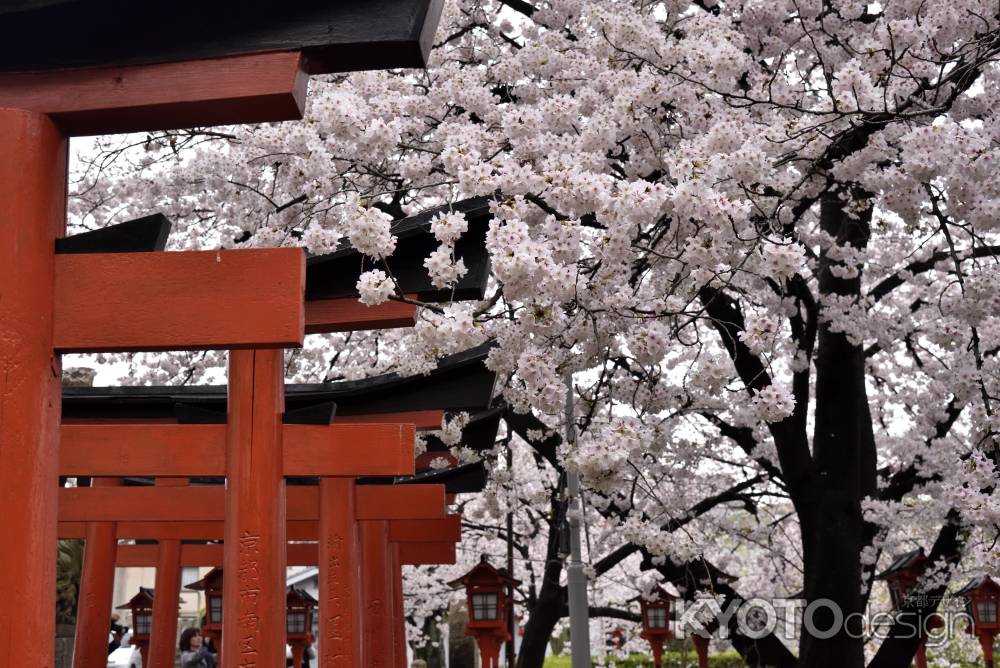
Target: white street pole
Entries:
(579, 614)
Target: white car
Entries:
(126, 656)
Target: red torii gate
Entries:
(90, 452)
(239, 300)
(418, 540)
(413, 542)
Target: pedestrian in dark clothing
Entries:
(193, 653)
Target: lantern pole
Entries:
(579, 614)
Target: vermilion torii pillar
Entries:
(96, 586)
(339, 558)
(32, 216)
(163, 639)
(255, 511)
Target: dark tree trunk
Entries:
(832, 527)
(548, 606)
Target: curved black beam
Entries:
(336, 274)
(142, 235)
(479, 435)
(465, 479)
(337, 36)
(460, 383)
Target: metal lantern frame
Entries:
(488, 597)
(300, 608)
(656, 614)
(982, 602)
(211, 585)
(141, 607)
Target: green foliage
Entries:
(69, 565)
(670, 660)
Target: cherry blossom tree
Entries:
(762, 235)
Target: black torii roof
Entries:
(479, 434)
(461, 382)
(336, 274)
(142, 235)
(334, 35)
(463, 479)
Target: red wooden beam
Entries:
(445, 530)
(146, 556)
(179, 301)
(186, 450)
(346, 314)
(32, 214)
(416, 554)
(256, 88)
(299, 554)
(403, 531)
(423, 420)
(349, 449)
(165, 504)
(183, 530)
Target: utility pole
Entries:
(579, 614)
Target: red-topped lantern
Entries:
(982, 600)
(488, 595)
(901, 577)
(141, 607)
(299, 620)
(656, 621)
(211, 627)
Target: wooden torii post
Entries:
(251, 67)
